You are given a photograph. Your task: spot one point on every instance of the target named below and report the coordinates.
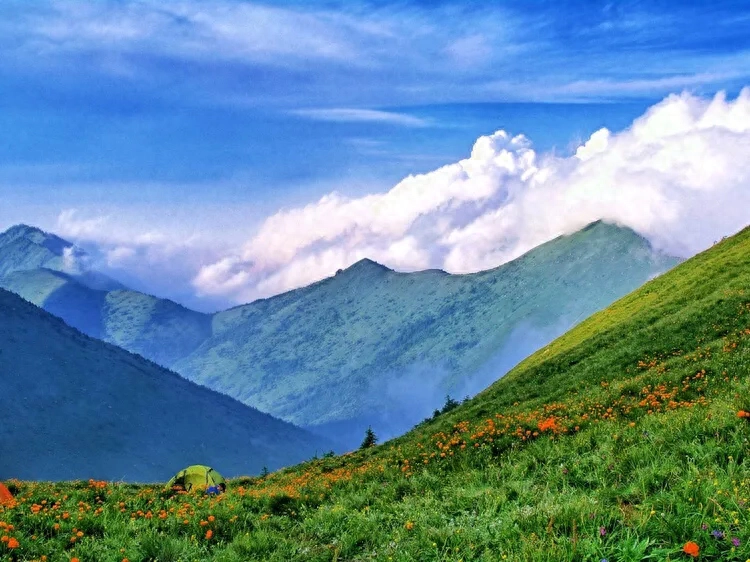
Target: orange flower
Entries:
(408, 525)
(691, 549)
(13, 543)
(209, 534)
(74, 560)
(743, 414)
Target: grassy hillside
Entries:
(626, 439)
(373, 346)
(74, 407)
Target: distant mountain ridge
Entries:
(367, 345)
(34, 267)
(72, 407)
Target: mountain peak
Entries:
(27, 247)
(37, 236)
(364, 266)
(23, 230)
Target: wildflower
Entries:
(735, 541)
(602, 532)
(718, 535)
(704, 527)
(209, 534)
(409, 525)
(743, 414)
(691, 549)
(13, 543)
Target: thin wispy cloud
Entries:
(350, 115)
(394, 54)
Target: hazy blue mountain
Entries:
(72, 407)
(24, 248)
(373, 346)
(158, 329)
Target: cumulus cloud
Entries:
(156, 261)
(678, 176)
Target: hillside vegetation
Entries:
(74, 407)
(626, 439)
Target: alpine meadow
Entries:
(375, 280)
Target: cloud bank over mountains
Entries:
(678, 176)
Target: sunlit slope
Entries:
(625, 439)
(75, 407)
(32, 264)
(373, 346)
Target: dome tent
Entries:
(197, 477)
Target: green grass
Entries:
(638, 449)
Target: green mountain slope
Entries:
(32, 266)
(625, 439)
(74, 407)
(371, 340)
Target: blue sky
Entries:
(204, 118)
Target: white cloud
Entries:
(345, 115)
(395, 54)
(69, 224)
(678, 176)
(157, 261)
(74, 261)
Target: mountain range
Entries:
(366, 346)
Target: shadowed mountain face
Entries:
(367, 346)
(72, 407)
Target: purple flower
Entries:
(704, 527)
(717, 534)
(602, 532)
(735, 541)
